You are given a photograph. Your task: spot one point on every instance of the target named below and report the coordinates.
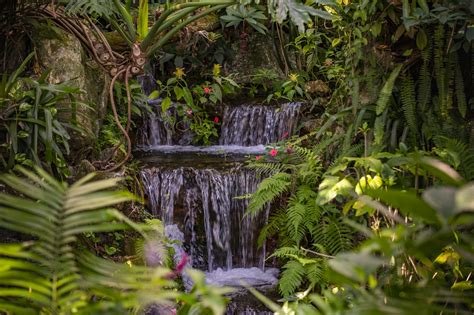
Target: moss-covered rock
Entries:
(252, 54)
(68, 62)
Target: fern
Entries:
(316, 273)
(291, 277)
(51, 274)
(307, 270)
(269, 189)
(333, 235)
(460, 155)
(267, 169)
(309, 171)
(409, 104)
(100, 8)
(379, 133)
(296, 212)
(285, 252)
(347, 142)
(440, 70)
(460, 91)
(275, 222)
(452, 62)
(424, 79)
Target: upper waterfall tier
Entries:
(250, 125)
(242, 125)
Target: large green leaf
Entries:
(299, 13)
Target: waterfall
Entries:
(243, 125)
(203, 203)
(248, 125)
(194, 190)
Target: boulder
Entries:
(68, 62)
(253, 53)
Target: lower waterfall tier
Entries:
(203, 203)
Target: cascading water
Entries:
(242, 125)
(249, 125)
(193, 190)
(202, 203)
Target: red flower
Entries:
(216, 120)
(207, 90)
(258, 157)
(273, 152)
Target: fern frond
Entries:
(460, 91)
(296, 212)
(285, 252)
(462, 156)
(62, 279)
(333, 235)
(100, 8)
(311, 169)
(424, 79)
(409, 104)
(440, 70)
(291, 277)
(269, 189)
(275, 222)
(266, 169)
(316, 272)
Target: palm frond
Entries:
(50, 274)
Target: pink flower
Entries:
(207, 90)
(216, 120)
(189, 111)
(258, 157)
(289, 150)
(182, 263)
(273, 152)
(179, 268)
(285, 135)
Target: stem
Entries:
(316, 253)
(117, 119)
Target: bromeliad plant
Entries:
(30, 121)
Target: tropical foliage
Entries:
(30, 111)
(54, 274)
(371, 203)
